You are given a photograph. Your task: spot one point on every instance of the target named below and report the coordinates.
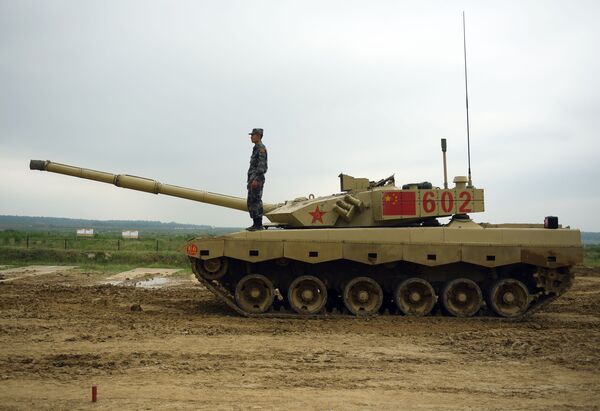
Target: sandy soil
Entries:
(61, 332)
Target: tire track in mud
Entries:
(63, 329)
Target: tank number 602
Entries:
(447, 202)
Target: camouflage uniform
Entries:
(257, 170)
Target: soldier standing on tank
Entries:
(256, 179)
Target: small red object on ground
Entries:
(94, 393)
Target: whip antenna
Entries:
(467, 101)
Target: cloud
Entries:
(169, 91)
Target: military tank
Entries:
(374, 248)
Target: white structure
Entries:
(85, 232)
(131, 234)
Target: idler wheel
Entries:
(415, 296)
(212, 269)
(254, 293)
(307, 295)
(363, 296)
(509, 298)
(462, 297)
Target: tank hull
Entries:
(463, 269)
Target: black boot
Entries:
(257, 224)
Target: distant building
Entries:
(85, 232)
(131, 234)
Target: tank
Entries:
(374, 248)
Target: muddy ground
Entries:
(64, 330)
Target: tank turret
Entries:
(360, 203)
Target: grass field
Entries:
(591, 255)
(100, 242)
(101, 252)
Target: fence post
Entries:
(157, 245)
(65, 243)
(118, 245)
(27, 240)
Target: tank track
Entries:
(539, 301)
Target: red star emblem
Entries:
(317, 215)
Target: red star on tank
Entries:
(317, 215)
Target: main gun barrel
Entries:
(145, 184)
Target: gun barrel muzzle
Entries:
(37, 165)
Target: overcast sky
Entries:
(169, 90)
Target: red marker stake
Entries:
(94, 393)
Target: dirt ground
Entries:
(64, 330)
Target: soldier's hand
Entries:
(254, 184)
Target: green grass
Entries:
(106, 252)
(100, 242)
(24, 256)
(591, 255)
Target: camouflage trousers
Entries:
(255, 204)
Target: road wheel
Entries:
(462, 297)
(307, 295)
(415, 296)
(254, 293)
(363, 296)
(509, 298)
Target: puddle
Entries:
(11, 274)
(144, 278)
(153, 282)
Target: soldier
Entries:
(256, 179)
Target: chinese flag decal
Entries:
(402, 203)
(317, 215)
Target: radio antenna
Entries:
(470, 184)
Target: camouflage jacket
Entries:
(258, 163)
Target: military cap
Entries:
(258, 131)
